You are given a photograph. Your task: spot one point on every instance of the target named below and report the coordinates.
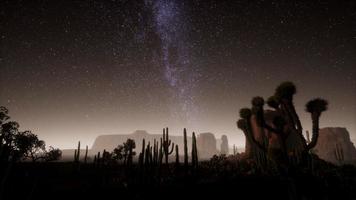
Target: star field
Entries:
(74, 70)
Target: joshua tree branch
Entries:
(295, 117)
(273, 130)
(249, 135)
(315, 120)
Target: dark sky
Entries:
(72, 70)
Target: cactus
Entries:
(77, 153)
(234, 148)
(185, 148)
(177, 156)
(160, 153)
(142, 154)
(98, 159)
(339, 154)
(95, 160)
(147, 155)
(86, 154)
(166, 144)
(194, 151)
(155, 152)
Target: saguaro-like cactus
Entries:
(142, 154)
(194, 151)
(155, 152)
(234, 149)
(167, 145)
(160, 152)
(185, 148)
(77, 153)
(86, 154)
(177, 156)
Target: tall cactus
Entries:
(142, 154)
(98, 159)
(147, 154)
(77, 153)
(177, 156)
(160, 152)
(234, 149)
(194, 151)
(86, 154)
(167, 145)
(185, 148)
(155, 152)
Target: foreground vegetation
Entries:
(278, 163)
(218, 178)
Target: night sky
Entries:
(73, 70)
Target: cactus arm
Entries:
(172, 148)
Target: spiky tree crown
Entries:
(286, 90)
(241, 124)
(316, 105)
(258, 101)
(273, 102)
(245, 113)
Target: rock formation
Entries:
(224, 147)
(329, 138)
(206, 144)
(109, 142)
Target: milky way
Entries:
(171, 27)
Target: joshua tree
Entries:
(269, 130)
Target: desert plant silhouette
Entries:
(278, 133)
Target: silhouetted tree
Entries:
(118, 153)
(28, 146)
(8, 132)
(53, 154)
(129, 146)
(16, 145)
(279, 124)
